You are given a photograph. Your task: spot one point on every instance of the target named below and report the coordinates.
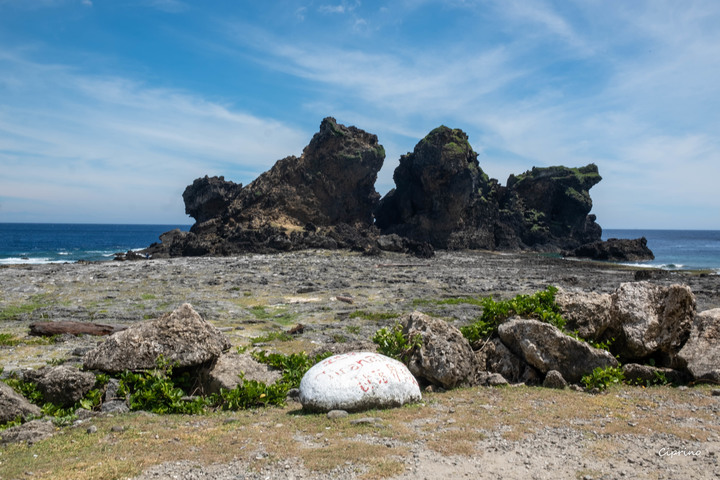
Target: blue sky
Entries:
(109, 108)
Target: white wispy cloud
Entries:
(635, 89)
(107, 141)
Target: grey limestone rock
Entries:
(701, 352)
(546, 348)
(30, 432)
(181, 337)
(445, 357)
(586, 312)
(649, 318)
(61, 385)
(14, 405)
(230, 368)
(554, 379)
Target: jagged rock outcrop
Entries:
(443, 197)
(614, 250)
(323, 199)
(326, 199)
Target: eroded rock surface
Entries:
(61, 385)
(14, 405)
(546, 348)
(181, 337)
(443, 197)
(232, 368)
(649, 319)
(323, 199)
(444, 357)
(701, 352)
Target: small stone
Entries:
(92, 429)
(716, 392)
(117, 428)
(365, 421)
(333, 414)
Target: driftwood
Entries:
(46, 329)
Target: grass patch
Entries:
(271, 336)
(13, 312)
(374, 316)
(278, 315)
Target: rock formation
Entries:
(443, 197)
(323, 199)
(13, 405)
(326, 199)
(614, 250)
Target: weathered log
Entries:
(46, 329)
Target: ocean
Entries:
(677, 249)
(27, 243)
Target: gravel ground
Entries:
(251, 295)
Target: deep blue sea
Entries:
(677, 249)
(64, 242)
(26, 243)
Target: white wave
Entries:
(28, 261)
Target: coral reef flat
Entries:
(341, 298)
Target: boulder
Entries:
(30, 432)
(445, 357)
(357, 381)
(181, 337)
(614, 250)
(229, 370)
(61, 385)
(546, 348)
(497, 358)
(554, 379)
(14, 405)
(701, 353)
(649, 319)
(588, 313)
(646, 374)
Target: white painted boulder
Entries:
(357, 381)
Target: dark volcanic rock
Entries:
(614, 250)
(209, 197)
(323, 199)
(439, 193)
(443, 197)
(326, 199)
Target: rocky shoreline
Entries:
(341, 298)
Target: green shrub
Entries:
(602, 378)
(393, 342)
(540, 305)
(156, 391)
